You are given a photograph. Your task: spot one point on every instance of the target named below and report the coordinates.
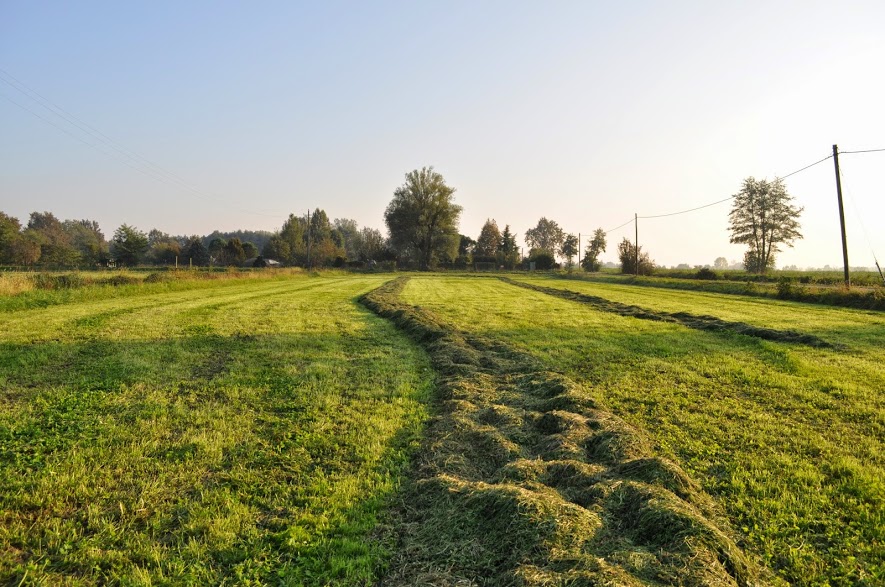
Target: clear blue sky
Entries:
(583, 112)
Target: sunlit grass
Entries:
(787, 438)
(239, 432)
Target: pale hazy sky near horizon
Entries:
(583, 112)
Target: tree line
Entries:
(422, 223)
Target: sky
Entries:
(194, 116)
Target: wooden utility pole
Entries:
(636, 244)
(841, 215)
(308, 238)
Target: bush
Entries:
(543, 261)
(706, 273)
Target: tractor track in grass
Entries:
(697, 322)
(522, 479)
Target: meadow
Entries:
(437, 429)
(237, 431)
(787, 438)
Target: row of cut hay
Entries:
(522, 479)
(697, 322)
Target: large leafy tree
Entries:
(128, 245)
(595, 247)
(763, 218)
(56, 246)
(489, 241)
(422, 218)
(546, 236)
(88, 240)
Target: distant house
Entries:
(260, 261)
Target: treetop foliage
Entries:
(547, 236)
(763, 218)
(422, 219)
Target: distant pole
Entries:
(636, 244)
(308, 238)
(176, 262)
(841, 215)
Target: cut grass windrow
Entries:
(524, 479)
(698, 322)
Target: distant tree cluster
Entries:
(50, 242)
(422, 231)
(321, 243)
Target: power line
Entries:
(129, 157)
(619, 226)
(864, 151)
(732, 197)
(806, 167)
(689, 210)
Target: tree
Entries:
(627, 253)
(543, 259)
(10, 233)
(250, 250)
(720, 263)
(349, 234)
(762, 218)
(422, 218)
(56, 247)
(216, 250)
(292, 244)
(368, 244)
(508, 252)
(546, 236)
(88, 240)
(488, 242)
(595, 247)
(233, 253)
(128, 245)
(195, 252)
(569, 249)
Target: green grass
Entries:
(236, 432)
(788, 439)
(869, 295)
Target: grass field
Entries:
(786, 437)
(265, 429)
(239, 432)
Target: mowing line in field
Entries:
(523, 479)
(698, 322)
(788, 439)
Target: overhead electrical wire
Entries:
(126, 156)
(732, 197)
(863, 151)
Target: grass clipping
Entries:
(523, 480)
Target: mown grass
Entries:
(870, 296)
(787, 438)
(522, 479)
(238, 432)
